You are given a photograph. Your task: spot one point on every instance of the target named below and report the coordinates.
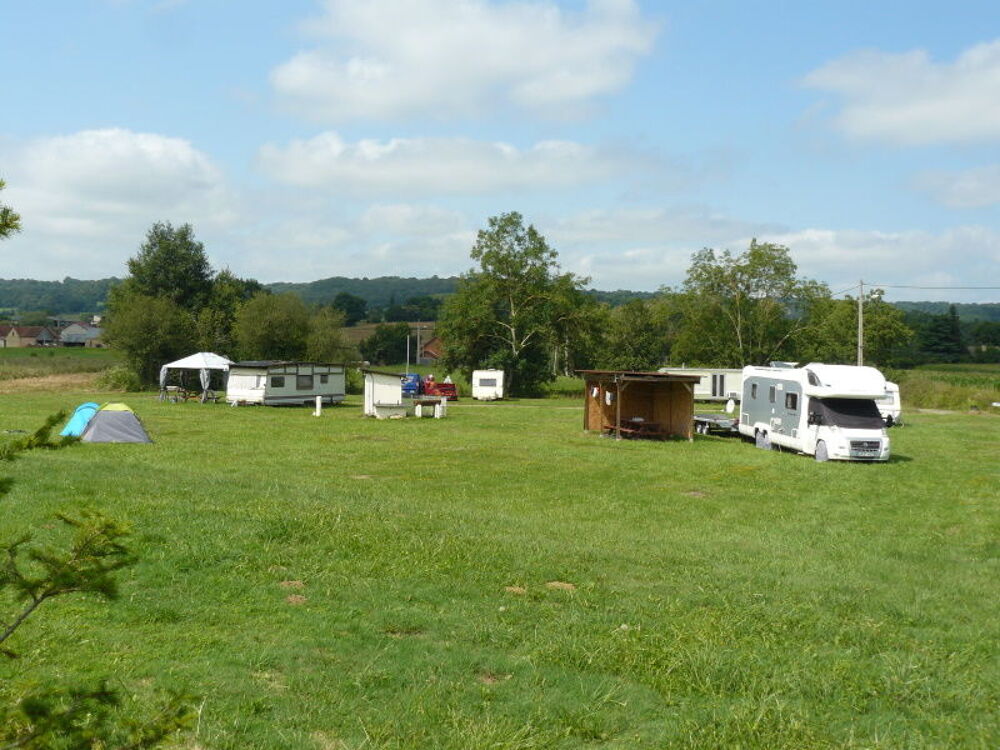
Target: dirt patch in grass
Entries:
(696, 493)
(74, 381)
(491, 678)
(362, 476)
(519, 590)
(295, 599)
(560, 586)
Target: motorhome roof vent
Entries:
(785, 365)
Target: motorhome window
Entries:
(323, 378)
(303, 382)
(753, 391)
(813, 380)
(770, 394)
(488, 382)
(858, 413)
(792, 401)
(277, 381)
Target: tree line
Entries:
(518, 311)
(173, 302)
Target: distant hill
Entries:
(967, 312)
(73, 296)
(69, 296)
(377, 292)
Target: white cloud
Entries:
(909, 99)
(87, 199)
(973, 188)
(961, 256)
(441, 165)
(390, 58)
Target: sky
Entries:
(304, 139)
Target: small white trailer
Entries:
(889, 405)
(716, 384)
(826, 411)
(487, 385)
(384, 394)
(276, 383)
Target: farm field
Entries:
(500, 579)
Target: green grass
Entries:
(34, 362)
(724, 596)
(961, 387)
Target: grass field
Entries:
(32, 362)
(500, 579)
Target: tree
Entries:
(214, 322)
(325, 342)
(636, 338)
(150, 331)
(507, 312)
(272, 326)
(831, 333)
(171, 264)
(10, 222)
(354, 308)
(744, 309)
(942, 339)
(387, 345)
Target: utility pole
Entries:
(861, 322)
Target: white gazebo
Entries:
(203, 362)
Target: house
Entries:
(20, 336)
(431, 351)
(81, 334)
(635, 404)
(275, 383)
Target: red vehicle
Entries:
(430, 387)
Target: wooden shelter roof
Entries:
(639, 375)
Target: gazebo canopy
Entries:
(202, 361)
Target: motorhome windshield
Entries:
(857, 413)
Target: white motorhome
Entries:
(277, 383)
(715, 385)
(487, 385)
(826, 411)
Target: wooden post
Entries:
(618, 407)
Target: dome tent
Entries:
(80, 419)
(115, 423)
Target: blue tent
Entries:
(81, 417)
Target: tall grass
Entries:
(36, 362)
(959, 387)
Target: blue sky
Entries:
(308, 138)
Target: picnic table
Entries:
(637, 428)
(178, 393)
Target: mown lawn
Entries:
(500, 579)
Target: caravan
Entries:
(826, 411)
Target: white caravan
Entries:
(487, 385)
(889, 405)
(276, 383)
(715, 384)
(826, 411)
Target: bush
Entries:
(120, 378)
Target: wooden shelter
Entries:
(626, 403)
